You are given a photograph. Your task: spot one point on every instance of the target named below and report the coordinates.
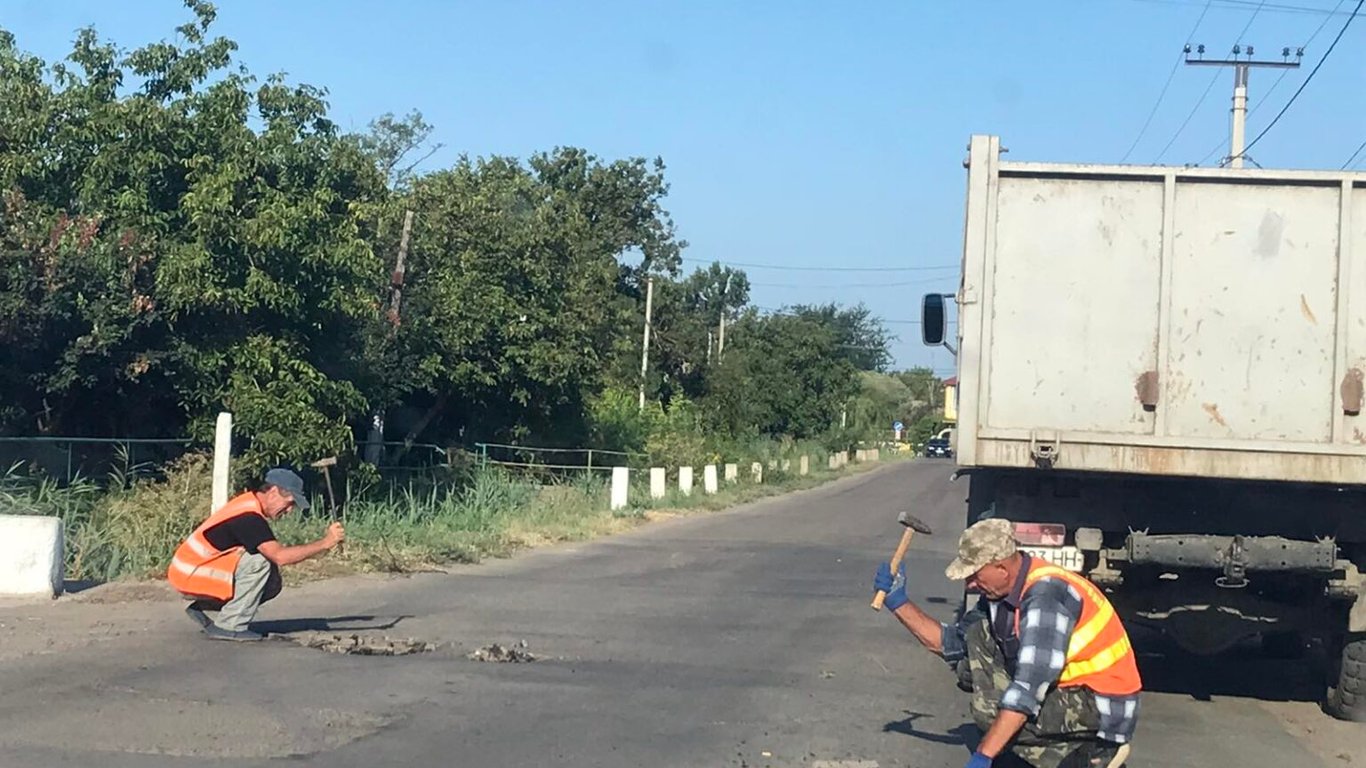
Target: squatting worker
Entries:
(1053, 676)
(231, 563)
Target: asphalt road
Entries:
(737, 639)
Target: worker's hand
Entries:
(335, 535)
(978, 760)
(893, 584)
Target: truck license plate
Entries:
(1063, 557)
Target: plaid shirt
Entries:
(1035, 658)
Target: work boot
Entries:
(196, 613)
(216, 632)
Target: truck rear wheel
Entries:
(1347, 699)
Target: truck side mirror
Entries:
(933, 320)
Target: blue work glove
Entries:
(978, 760)
(893, 585)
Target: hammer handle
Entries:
(897, 557)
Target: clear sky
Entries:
(808, 134)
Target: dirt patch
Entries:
(501, 654)
(361, 645)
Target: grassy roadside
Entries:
(130, 532)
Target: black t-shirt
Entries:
(249, 531)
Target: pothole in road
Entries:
(503, 654)
(363, 645)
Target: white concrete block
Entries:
(860, 456)
(222, 457)
(621, 485)
(709, 478)
(685, 480)
(756, 471)
(787, 465)
(772, 463)
(732, 473)
(876, 454)
(659, 483)
(30, 555)
(833, 462)
(804, 465)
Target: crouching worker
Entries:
(231, 563)
(1054, 679)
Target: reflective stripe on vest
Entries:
(199, 569)
(1099, 655)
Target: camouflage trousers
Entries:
(1066, 726)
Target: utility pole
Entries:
(721, 334)
(1242, 67)
(374, 448)
(645, 345)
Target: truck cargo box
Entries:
(1163, 320)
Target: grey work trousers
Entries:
(255, 581)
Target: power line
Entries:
(896, 284)
(1239, 5)
(1163, 94)
(1307, 80)
(792, 268)
(1351, 159)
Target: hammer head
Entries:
(330, 461)
(914, 523)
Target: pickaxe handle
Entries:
(897, 557)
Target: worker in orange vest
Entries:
(1054, 678)
(231, 563)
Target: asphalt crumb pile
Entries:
(365, 645)
(516, 654)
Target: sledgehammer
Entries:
(912, 525)
(325, 465)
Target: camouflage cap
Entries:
(982, 544)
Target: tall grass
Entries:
(130, 525)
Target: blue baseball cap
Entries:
(290, 483)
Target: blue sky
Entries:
(797, 133)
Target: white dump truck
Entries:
(1161, 382)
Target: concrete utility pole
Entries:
(645, 345)
(721, 334)
(1241, 68)
(374, 449)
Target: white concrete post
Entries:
(709, 478)
(877, 454)
(659, 483)
(222, 457)
(621, 484)
(787, 465)
(732, 473)
(833, 462)
(756, 470)
(772, 464)
(30, 555)
(685, 480)
(804, 465)
(860, 456)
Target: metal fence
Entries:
(95, 459)
(554, 461)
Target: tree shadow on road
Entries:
(332, 624)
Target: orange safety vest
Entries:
(1099, 655)
(200, 570)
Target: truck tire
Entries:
(1347, 698)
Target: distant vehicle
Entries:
(938, 448)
